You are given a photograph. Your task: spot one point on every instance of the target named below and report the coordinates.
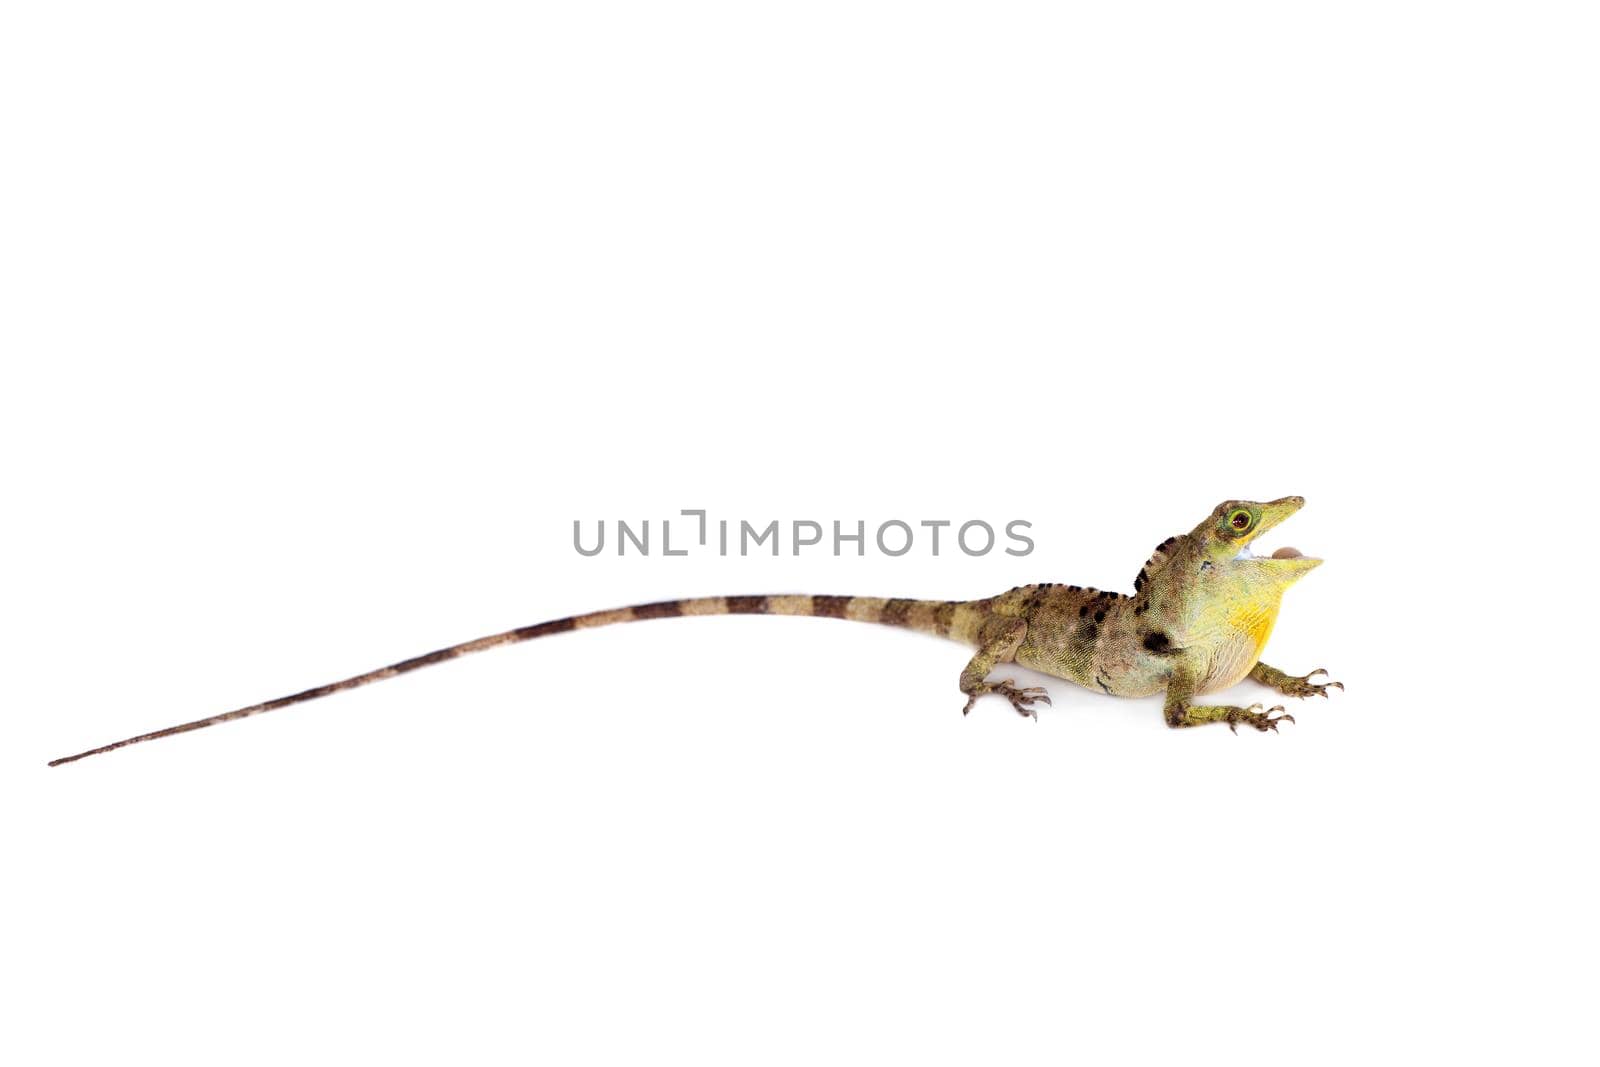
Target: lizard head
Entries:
(1226, 536)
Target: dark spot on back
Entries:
(1158, 643)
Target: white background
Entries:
(323, 322)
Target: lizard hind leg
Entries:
(1000, 647)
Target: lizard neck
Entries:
(1220, 612)
(1233, 614)
(1244, 605)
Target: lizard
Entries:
(1200, 614)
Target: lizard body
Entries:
(1197, 621)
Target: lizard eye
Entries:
(1239, 520)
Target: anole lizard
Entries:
(1200, 614)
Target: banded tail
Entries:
(959, 620)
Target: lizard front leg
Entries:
(1180, 712)
(1289, 685)
(1000, 643)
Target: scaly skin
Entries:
(1289, 685)
(1197, 621)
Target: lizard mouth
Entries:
(1282, 553)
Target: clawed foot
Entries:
(1252, 716)
(1305, 687)
(1022, 700)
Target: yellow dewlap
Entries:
(1256, 621)
(1255, 618)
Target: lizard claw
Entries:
(1021, 699)
(1024, 699)
(1253, 716)
(1305, 687)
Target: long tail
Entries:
(958, 620)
